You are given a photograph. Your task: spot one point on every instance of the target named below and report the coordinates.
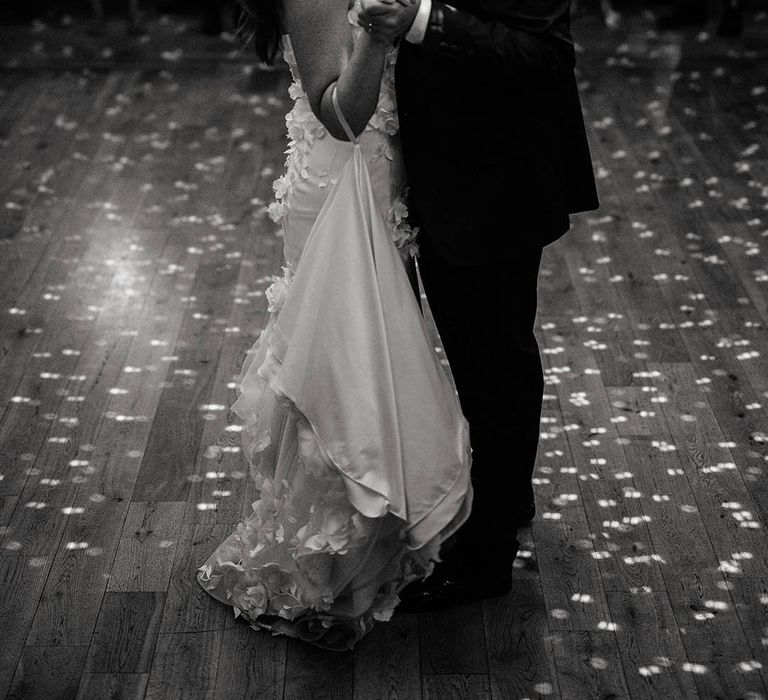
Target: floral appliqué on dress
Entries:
(304, 128)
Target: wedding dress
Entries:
(352, 428)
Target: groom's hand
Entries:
(388, 19)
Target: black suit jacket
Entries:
(492, 130)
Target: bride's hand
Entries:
(387, 20)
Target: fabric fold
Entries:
(355, 358)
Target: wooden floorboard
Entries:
(48, 672)
(453, 641)
(125, 636)
(250, 666)
(519, 644)
(588, 664)
(185, 665)
(134, 255)
(115, 686)
(454, 686)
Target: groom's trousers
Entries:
(485, 317)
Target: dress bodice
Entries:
(315, 159)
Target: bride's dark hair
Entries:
(260, 24)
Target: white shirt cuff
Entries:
(418, 29)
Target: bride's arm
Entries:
(321, 37)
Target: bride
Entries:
(352, 428)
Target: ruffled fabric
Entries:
(305, 563)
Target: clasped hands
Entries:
(387, 20)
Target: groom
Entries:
(496, 157)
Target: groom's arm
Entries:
(541, 48)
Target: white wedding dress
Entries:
(352, 428)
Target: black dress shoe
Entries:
(445, 590)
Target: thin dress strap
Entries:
(340, 115)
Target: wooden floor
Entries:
(134, 254)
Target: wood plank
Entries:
(665, 215)
(700, 441)
(456, 687)
(102, 519)
(749, 597)
(174, 442)
(731, 372)
(605, 479)
(387, 660)
(112, 686)
(35, 132)
(589, 665)
(713, 637)
(80, 575)
(188, 608)
(635, 415)
(650, 646)
(123, 436)
(185, 666)
(697, 591)
(131, 121)
(21, 583)
(555, 283)
(667, 204)
(7, 506)
(453, 641)
(519, 643)
(48, 672)
(47, 263)
(573, 589)
(219, 490)
(61, 172)
(69, 607)
(251, 665)
(312, 673)
(723, 217)
(570, 574)
(136, 618)
(93, 370)
(22, 429)
(144, 558)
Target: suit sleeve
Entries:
(527, 53)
